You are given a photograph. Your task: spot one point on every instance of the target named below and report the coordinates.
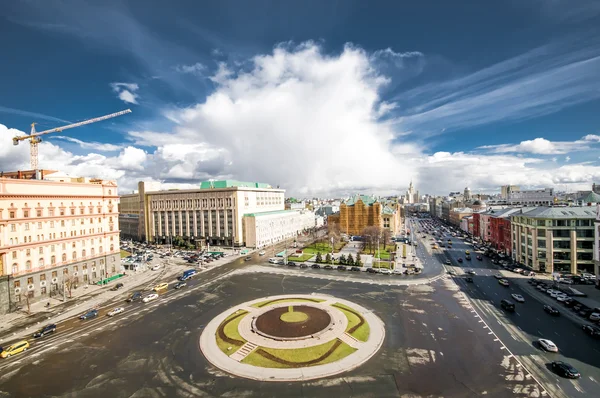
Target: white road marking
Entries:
(592, 379)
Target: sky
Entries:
(322, 98)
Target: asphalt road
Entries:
(435, 345)
(521, 329)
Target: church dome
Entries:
(477, 203)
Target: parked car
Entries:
(328, 267)
(548, 345)
(591, 330)
(371, 270)
(116, 311)
(316, 266)
(134, 297)
(385, 271)
(565, 370)
(291, 264)
(150, 297)
(341, 268)
(261, 253)
(117, 287)
(45, 330)
(357, 269)
(551, 310)
(303, 265)
(89, 314)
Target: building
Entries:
(132, 212)
(467, 194)
(597, 245)
(587, 199)
(457, 214)
(539, 197)
(212, 213)
(412, 195)
(55, 232)
(466, 224)
(506, 189)
(555, 239)
(362, 211)
(267, 228)
(596, 188)
(499, 229)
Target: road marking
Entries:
(517, 314)
(85, 334)
(577, 387)
(592, 379)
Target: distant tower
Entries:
(467, 193)
(410, 194)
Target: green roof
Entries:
(232, 184)
(367, 200)
(591, 197)
(269, 213)
(388, 210)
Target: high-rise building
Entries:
(55, 232)
(506, 189)
(412, 195)
(467, 194)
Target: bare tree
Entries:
(385, 237)
(70, 283)
(333, 234)
(370, 236)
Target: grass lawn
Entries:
(258, 305)
(384, 252)
(382, 264)
(315, 248)
(231, 330)
(299, 355)
(362, 333)
(301, 258)
(125, 253)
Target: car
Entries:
(551, 310)
(328, 267)
(479, 258)
(594, 317)
(303, 265)
(468, 258)
(562, 298)
(14, 349)
(280, 262)
(291, 264)
(44, 331)
(262, 253)
(117, 287)
(248, 258)
(273, 260)
(592, 330)
(371, 270)
(507, 305)
(341, 268)
(155, 268)
(469, 279)
(460, 260)
(160, 286)
(150, 297)
(471, 272)
(467, 252)
(503, 282)
(498, 276)
(448, 262)
(566, 370)
(89, 314)
(116, 311)
(385, 271)
(316, 266)
(134, 297)
(451, 272)
(179, 285)
(356, 269)
(518, 297)
(547, 345)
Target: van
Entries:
(507, 305)
(15, 349)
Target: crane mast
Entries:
(35, 137)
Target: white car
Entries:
(562, 298)
(595, 316)
(518, 297)
(116, 311)
(498, 276)
(150, 297)
(155, 268)
(548, 345)
(385, 271)
(397, 272)
(553, 294)
(262, 253)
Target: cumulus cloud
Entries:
(126, 91)
(542, 146)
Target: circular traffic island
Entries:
(292, 337)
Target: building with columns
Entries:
(555, 239)
(55, 230)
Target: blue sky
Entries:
(320, 97)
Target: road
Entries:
(529, 323)
(151, 350)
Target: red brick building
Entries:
(476, 232)
(500, 230)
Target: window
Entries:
(28, 265)
(586, 244)
(25, 213)
(585, 233)
(15, 268)
(17, 284)
(51, 212)
(41, 262)
(43, 290)
(52, 248)
(54, 274)
(541, 243)
(41, 250)
(72, 223)
(38, 213)
(30, 281)
(75, 268)
(72, 212)
(53, 260)
(11, 214)
(39, 225)
(561, 233)
(64, 257)
(81, 211)
(101, 249)
(65, 271)
(92, 251)
(14, 255)
(28, 252)
(13, 228)
(74, 255)
(26, 226)
(62, 223)
(83, 253)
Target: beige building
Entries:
(266, 228)
(362, 211)
(55, 231)
(212, 213)
(555, 239)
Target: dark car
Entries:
(248, 259)
(179, 285)
(303, 265)
(469, 279)
(507, 305)
(328, 267)
(479, 258)
(291, 264)
(551, 310)
(355, 269)
(592, 330)
(460, 260)
(468, 257)
(280, 262)
(471, 272)
(316, 266)
(341, 268)
(45, 330)
(565, 370)
(117, 287)
(89, 314)
(135, 297)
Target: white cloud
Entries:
(126, 91)
(542, 146)
(96, 146)
(195, 69)
(567, 159)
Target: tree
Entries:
(385, 237)
(371, 235)
(333, 234)
(319, 259)
(358, 262)
(350, 260)
(342, 259)
(328, 258)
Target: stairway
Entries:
(243, 352)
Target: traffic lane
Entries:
(160, 350)
(533, 323)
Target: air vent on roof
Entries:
(573, 213)
(565, 213)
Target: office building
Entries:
(270, 227)
(506, 189)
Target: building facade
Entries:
(555, 239)
(267, 228)
(457, 214)
(56, 232)
(539, 197)
(506, 189)
(362, 211)
(597, 245)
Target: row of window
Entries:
(51, 223)
(41, 262)
(26, 212)
(191, 203)
(52, 236)
(555, 223)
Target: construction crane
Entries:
(35, 137)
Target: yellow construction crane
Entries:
(35, 137)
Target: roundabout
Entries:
(292, 337)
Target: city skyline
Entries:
(306, 105)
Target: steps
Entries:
(243, 352)
(350, 340)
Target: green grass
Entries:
(384, 252)
(231, 330)
(299, 355)
(257, 305)
(315, 248)
(301, 258)
(382, 264)
(292, 316)
(125, 253)
(362, 333)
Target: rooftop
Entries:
(367, 200)
(271, 213)
(590, 197)
(560, 212)
(233, 184)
